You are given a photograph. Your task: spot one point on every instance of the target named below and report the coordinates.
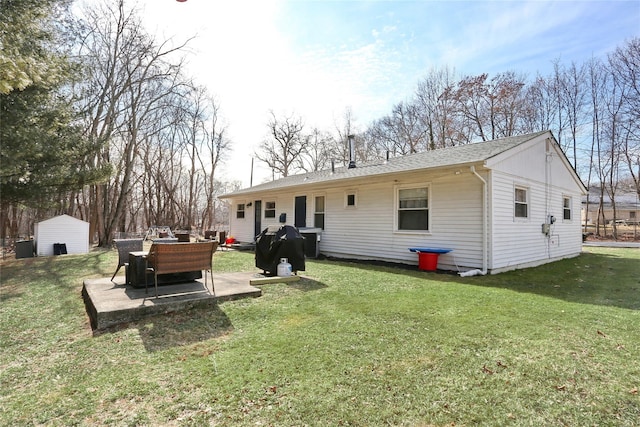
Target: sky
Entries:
(316, 59)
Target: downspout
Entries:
(485, 227)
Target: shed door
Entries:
(300, 214)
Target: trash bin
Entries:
(311, 241)
(428, 257)
(24, 249)
(59, 248)
(427, 261)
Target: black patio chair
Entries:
(222, 239)
(125, 246)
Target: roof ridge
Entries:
(429, 159)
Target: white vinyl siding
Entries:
(531, 243)
(349, 235)
(531, 247)
(74, 233)
(368, 230)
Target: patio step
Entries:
(257, 281)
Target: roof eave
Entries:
(250, 191)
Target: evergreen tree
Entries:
(42, 152)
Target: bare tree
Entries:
(409, 134)
(285, 146)
(595, 72)
(618, 134)
(473, 105)
(543, 105)
(508, 104)
(557, 83)
(318, 151)
(490, 108)
(569, 86)
(436, 106)
(130, 76)
(624, 64)
(209, 145)
(216, 149)
(343, 128)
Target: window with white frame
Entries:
(240, 210)
(350, 199)
(566, 208)
(270, 210)
(413, 209)
(521, 208)
(318, 214)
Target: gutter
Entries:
(485, 229)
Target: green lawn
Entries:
(352, 345)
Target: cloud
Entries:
(315, 59)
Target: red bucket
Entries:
(427, 261)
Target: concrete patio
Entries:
(110, 304)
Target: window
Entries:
(270, 210)
(521, 203)
(413, 209)
(240, 211)
(318, 215)
(566, 208)
(632, 214)
(350, 199)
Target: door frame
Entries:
(257, 218)
(300, 211)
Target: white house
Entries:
(73, 232)
(498, 205)
(627, 206)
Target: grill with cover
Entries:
(283, 242)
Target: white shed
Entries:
(73, 232)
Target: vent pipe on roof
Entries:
(251, 179)
(352, 152)
(333, 167)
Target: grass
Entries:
(352, 345)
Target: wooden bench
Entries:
(166, 258)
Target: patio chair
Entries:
(125, 246)
(222, 239)
(180, 258)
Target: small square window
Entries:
(351, 199)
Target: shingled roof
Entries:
(443, 157)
